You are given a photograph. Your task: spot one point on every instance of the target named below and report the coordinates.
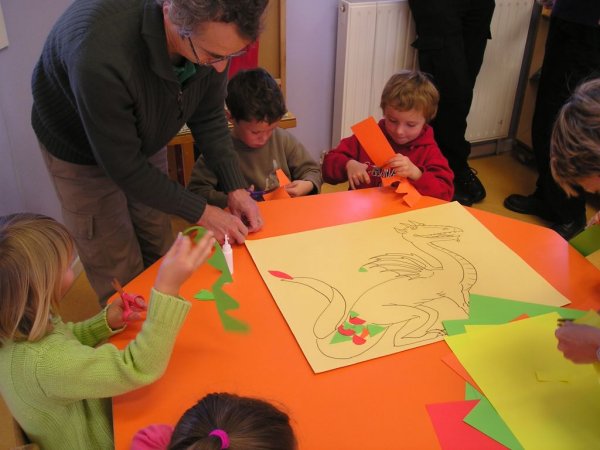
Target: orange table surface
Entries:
(377, 404)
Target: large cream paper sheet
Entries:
(547, 401)
(359, 291)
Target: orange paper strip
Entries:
(280, 192)
(373, 141)
(380, 151)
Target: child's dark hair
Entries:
(227, 421)
(253, 94)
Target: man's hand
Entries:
(298, 188)
(221, 223)
(245, 208)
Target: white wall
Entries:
(24, 182)
(310, 46)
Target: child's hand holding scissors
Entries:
(125, 308)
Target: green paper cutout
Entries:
(374, 329)
(485, 418)
(338, 337)
(471, 393)
(362, 269)
(485, 310)
(588, 241)
(353, 314)
(204, 294)
(223, 301)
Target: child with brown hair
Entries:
(409, 102)
(222, 421)
(255, 105)
(575, 162)
(55, 378)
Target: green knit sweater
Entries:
(59, 387)
(105, 93)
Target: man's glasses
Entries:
(212, 61)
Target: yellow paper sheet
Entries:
(506, 361)
(362, 290)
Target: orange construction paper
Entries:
(207, 358)
(373, 141)
(280, 192)
(452, 361)
(380, 151)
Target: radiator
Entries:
(374, 41)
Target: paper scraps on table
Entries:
(223, 301)
(453, 433)
(380, 151)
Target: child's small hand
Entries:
(115, 313)
(404, 167)
(182, 259)
(298, 188)
(357, 173)
(578, 342)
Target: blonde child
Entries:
(222, 421)
(409, 102)
(55, 378)
(575, 161)
(255, 105)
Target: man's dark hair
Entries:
(253, 94)
(189, 15)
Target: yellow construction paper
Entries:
(362, 290)
(505, 361)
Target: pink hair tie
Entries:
(221, 434)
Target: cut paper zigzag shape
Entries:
(223, 301)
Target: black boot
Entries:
(468, 189)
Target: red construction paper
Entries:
(453, 433)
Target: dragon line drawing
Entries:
(398, 306)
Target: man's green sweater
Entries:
(59, 387)
(105, 93)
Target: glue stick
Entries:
(228, 254)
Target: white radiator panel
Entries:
(374, 41)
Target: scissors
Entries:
(129, 300)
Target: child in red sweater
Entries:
(409, 102)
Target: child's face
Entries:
(590, 184)
(403, 126)
(254, 134)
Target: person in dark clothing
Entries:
(117, 79)
(572, 56)
(451, 40)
